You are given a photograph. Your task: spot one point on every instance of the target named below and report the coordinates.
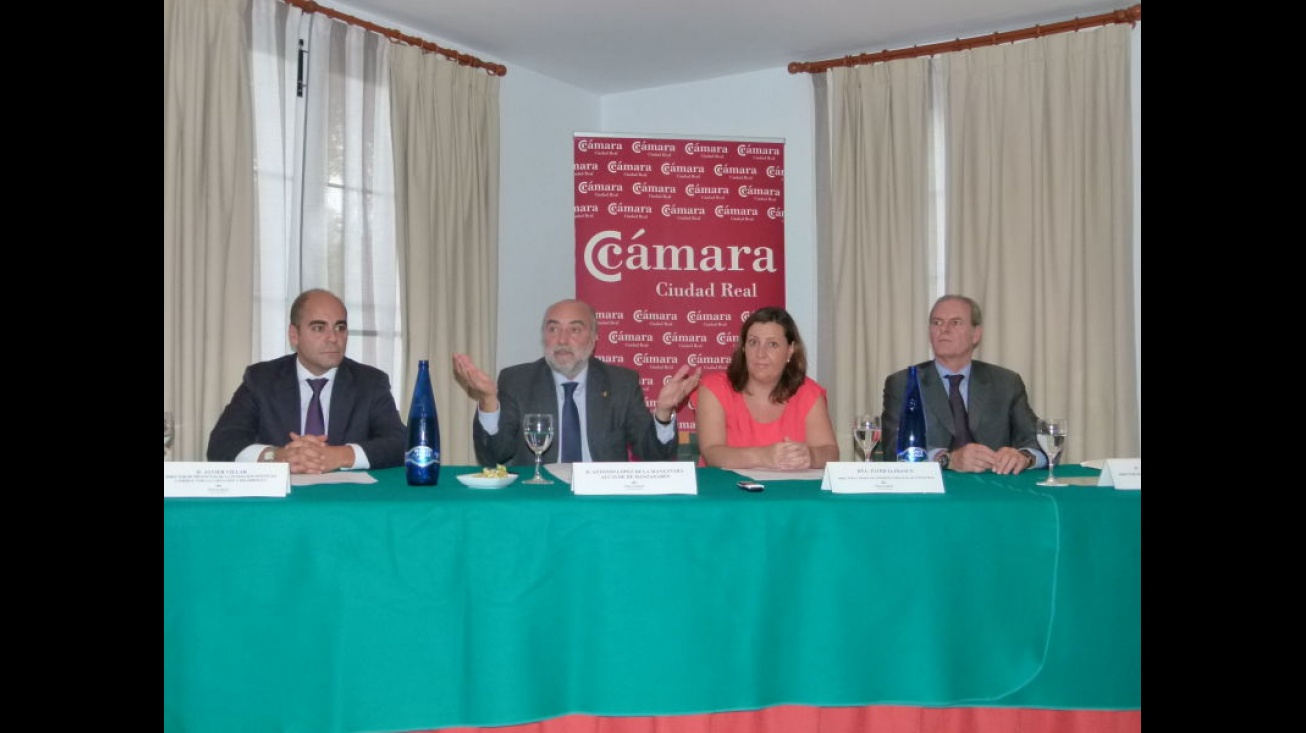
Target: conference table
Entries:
(386, 607)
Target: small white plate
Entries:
(1098, 463)
(480, 482)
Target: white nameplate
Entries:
(637, 478)
(218, 479)
(1122, 473)
(887, 477)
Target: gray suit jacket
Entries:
(617, 419)
(998, 409)
(265, 409)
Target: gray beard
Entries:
(576, 368)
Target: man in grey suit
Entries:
(999, 420)
(267, 419)
(614, 420)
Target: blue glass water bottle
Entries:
(911, 426)
(422, 459)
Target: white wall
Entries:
(539, 115)
(537, 239)
(537, 233)
(537, 236)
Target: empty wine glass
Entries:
(538, 431)
(1052, 439)
(169, 432)
(866, 434)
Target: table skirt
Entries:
(877, 718)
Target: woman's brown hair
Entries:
(795, 371)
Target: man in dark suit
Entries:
(268, 418)
(614, 419)
(1001, 425)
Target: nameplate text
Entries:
(637, 478)
(889, 477)
(220, 480)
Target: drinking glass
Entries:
(866, 434)
(538, 430)
(1052, 439)
(169, 432)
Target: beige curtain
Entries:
(446, 123)
(208, 204)
(1040, 223)
(880, 232)
(1035, 177)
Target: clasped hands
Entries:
(790, 455)
(978, 458)
(311, 454)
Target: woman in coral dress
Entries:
(764, 411)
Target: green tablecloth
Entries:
(387, 607)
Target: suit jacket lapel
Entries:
(544, 393)
(935, 395)
(286, 389)
(544, 399)
(598, 399)
(343, 397)
(979, 396)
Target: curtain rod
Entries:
(1129, 15)
(309, 6)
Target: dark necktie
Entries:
(315, 423)
(961, 428)
(570, 425)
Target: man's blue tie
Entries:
(315, 422)
(570, 425)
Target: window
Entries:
(325, 179)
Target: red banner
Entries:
(678, 241)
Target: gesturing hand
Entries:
(677, 389)
(478, 385)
